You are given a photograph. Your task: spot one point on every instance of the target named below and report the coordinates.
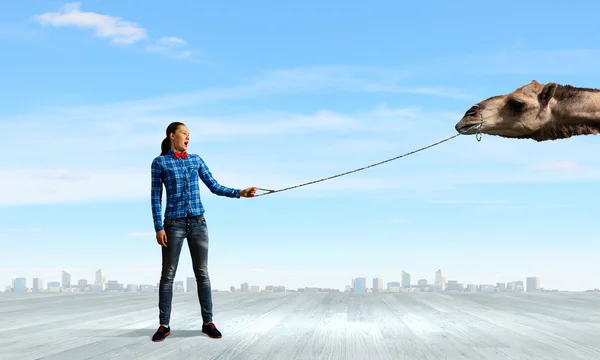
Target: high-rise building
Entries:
(533, 284)
(20, 285)
(191, 285)
(100, 279)
(440, 279)
(38, 285)
(405, 279)
(360, 284)
(377, 284)
(66, 280)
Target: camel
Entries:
(536, 111)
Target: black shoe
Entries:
(161, 333)
(211, 330)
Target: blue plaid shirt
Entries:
(180, 178)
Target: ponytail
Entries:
(165, 146)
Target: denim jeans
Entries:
(196, 232)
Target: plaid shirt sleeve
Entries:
(156, 194)
(213, 185)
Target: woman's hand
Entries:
(161, 238)
(248, 192)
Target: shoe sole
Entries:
(167, 334)
(214, 337)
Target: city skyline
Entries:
(440, 283)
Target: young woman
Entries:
(184, 218)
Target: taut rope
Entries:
(362, 168)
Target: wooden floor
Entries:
(292, 326)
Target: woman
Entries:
(184, 218)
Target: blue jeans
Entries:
(196, 232)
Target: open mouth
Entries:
(185, 143)
(469, 129)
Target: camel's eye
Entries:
(516, 105)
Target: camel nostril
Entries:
(472, 111)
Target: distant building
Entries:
(377, 284)
(453, 285)
(471, 288)
(392, 285)
(113, 285)
(440, 279)
(20, 285)
(147, 288)
(53, 286)
(405, 279)
(66, 280)
(533, 284)
(360, 284)
(38, 285)
(191, 285)
(100, 279)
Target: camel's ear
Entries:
(547, 94)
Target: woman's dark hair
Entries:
(165, 146)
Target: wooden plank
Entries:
(305, 326)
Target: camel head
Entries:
(523, 113)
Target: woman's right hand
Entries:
(161, 238)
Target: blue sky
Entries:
(277, 95)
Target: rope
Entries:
(359, 169)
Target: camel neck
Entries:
(575, 112)
(577, 107)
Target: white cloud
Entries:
(172, 46)
(367, 136)
(119, 31)
(332, 140)
(116, 29)
(25, 188)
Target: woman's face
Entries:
(180, 139)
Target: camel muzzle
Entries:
(471, 123)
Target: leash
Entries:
(359, 169)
